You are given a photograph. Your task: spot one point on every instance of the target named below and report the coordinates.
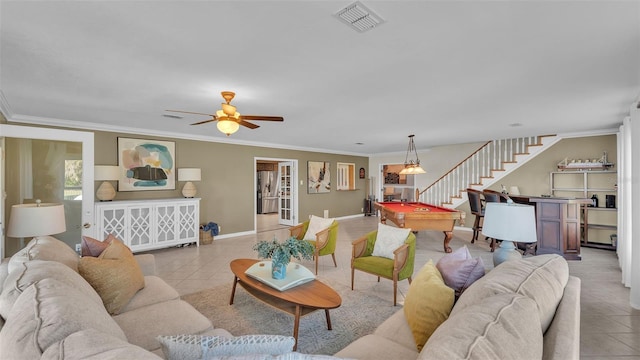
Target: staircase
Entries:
(485, 167)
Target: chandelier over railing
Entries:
(412, 167)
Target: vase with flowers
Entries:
(281, 253)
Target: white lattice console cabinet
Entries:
(150, 224)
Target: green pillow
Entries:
(427, 304)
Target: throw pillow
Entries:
(115, 275)
(316, 224)
(459, 270)
(427, 304)
(93, 247)
(388, 239)
(186, 347)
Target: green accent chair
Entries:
(325, 243)
(400, 268)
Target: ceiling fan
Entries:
(229, 120)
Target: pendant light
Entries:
(412, 167)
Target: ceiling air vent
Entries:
(359, 17)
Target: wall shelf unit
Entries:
(599, 224)
(150, 224)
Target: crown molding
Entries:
(81, 125)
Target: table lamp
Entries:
(189, 174)
(509, 222)
(36, 220)
(106, 173)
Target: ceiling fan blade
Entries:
(191, 112)
(204, 121)
(248, 124)
(262, 118)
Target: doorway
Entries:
(276, 194)
(394, 186)
(50, 165)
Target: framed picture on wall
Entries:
(146, 164)
(318, 177)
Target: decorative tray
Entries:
(296, 275)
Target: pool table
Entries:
(420, 216)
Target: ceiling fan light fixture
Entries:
(228, 109)
(227, 125)
(411, 166)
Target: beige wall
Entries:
(227, 187)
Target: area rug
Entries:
(358, 315)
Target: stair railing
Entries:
(490, 157)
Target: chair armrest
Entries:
(297, 231)
(400, 256)
(147, 263)
(322, 238)
(358, 247)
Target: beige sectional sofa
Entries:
(48, 310)
(523, 309)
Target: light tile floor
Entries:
(610, 328)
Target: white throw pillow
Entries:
(316, 224)
(388, 239)
(186, 347)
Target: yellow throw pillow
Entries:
(115, 275)
(427, 304)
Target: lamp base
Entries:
(106, 192)
(189, 190)
(506, 251)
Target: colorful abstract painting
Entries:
(146, 164)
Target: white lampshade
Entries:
(189, 174)
(509, 222)
(106, 172)
(514, 190)
(32, 220)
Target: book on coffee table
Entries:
(296, 275)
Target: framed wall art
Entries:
(318, 177)
(146, 164)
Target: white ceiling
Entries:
(447, 71)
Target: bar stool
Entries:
(475, 203)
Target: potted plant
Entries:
(281, 253)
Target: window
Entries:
(73, 179)
(346, 176)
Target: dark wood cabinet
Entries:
(558, 224)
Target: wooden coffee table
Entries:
(298, 301)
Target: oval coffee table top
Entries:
(313, 294)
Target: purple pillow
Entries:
(459, 270)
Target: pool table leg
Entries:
(447, 238)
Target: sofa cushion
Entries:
(316, 224)
(144, 324)
(503, 326)
(155, 291)
(396, 328)
(91, 344)
(459, 269)
(194, 347)
(374, 347)
(388, 239)
(45, 248)
(94, 247)
(31, 271)
(47, 312)
(542, 278)
(115, 275)
(427, 304)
